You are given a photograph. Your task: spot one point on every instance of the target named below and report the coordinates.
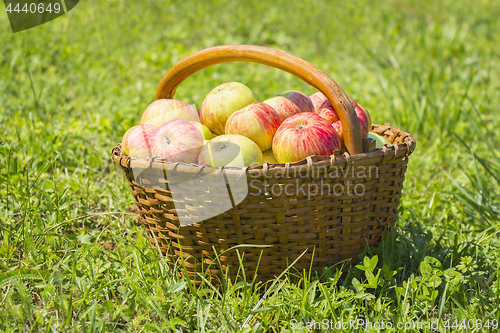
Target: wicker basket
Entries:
(328, 221)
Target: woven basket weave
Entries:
(328, 221)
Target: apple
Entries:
(317, 99)
(269, 157)
(221, 102)
(230, 150)
(367, 114)
(178, 141)
(163, 110)
(380, 141)
(337, 126)
(364, 120)
(257, 121)
(205, 132)
(137, 141)
(327, 112)
(303, 135)
(290, 103)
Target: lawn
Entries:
(73, 257)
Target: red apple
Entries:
(137, 141)
(163, 110)
(290, 103)
(303, 135)
(221, 102)
(337, 126)
(178, 141)
(364, 121)
(257, 121)
(317, 99)
(368, 116)
(230, 150)
(327, 112)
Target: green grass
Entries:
(69, 89)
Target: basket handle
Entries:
(278, 59)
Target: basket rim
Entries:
(405, 147)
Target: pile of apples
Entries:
(233, 129)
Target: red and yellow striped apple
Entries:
(367, 114)
(221, 102)
(178, 141)
(327, 112)
(230, 150)
(364, 118)
(257, 121)
(317, 99)
(289, 103)
(303, 135)
(137, 141)
(163, 110)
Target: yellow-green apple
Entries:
(205, 132)
(230, 150)
(317, 99)
(163, 110)
(269, 156)
(178, 141)
(221, 102)
(327, 112)
(290, 103)
(380, 141)
(303, 135)
(137, 141)
(257, 121)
